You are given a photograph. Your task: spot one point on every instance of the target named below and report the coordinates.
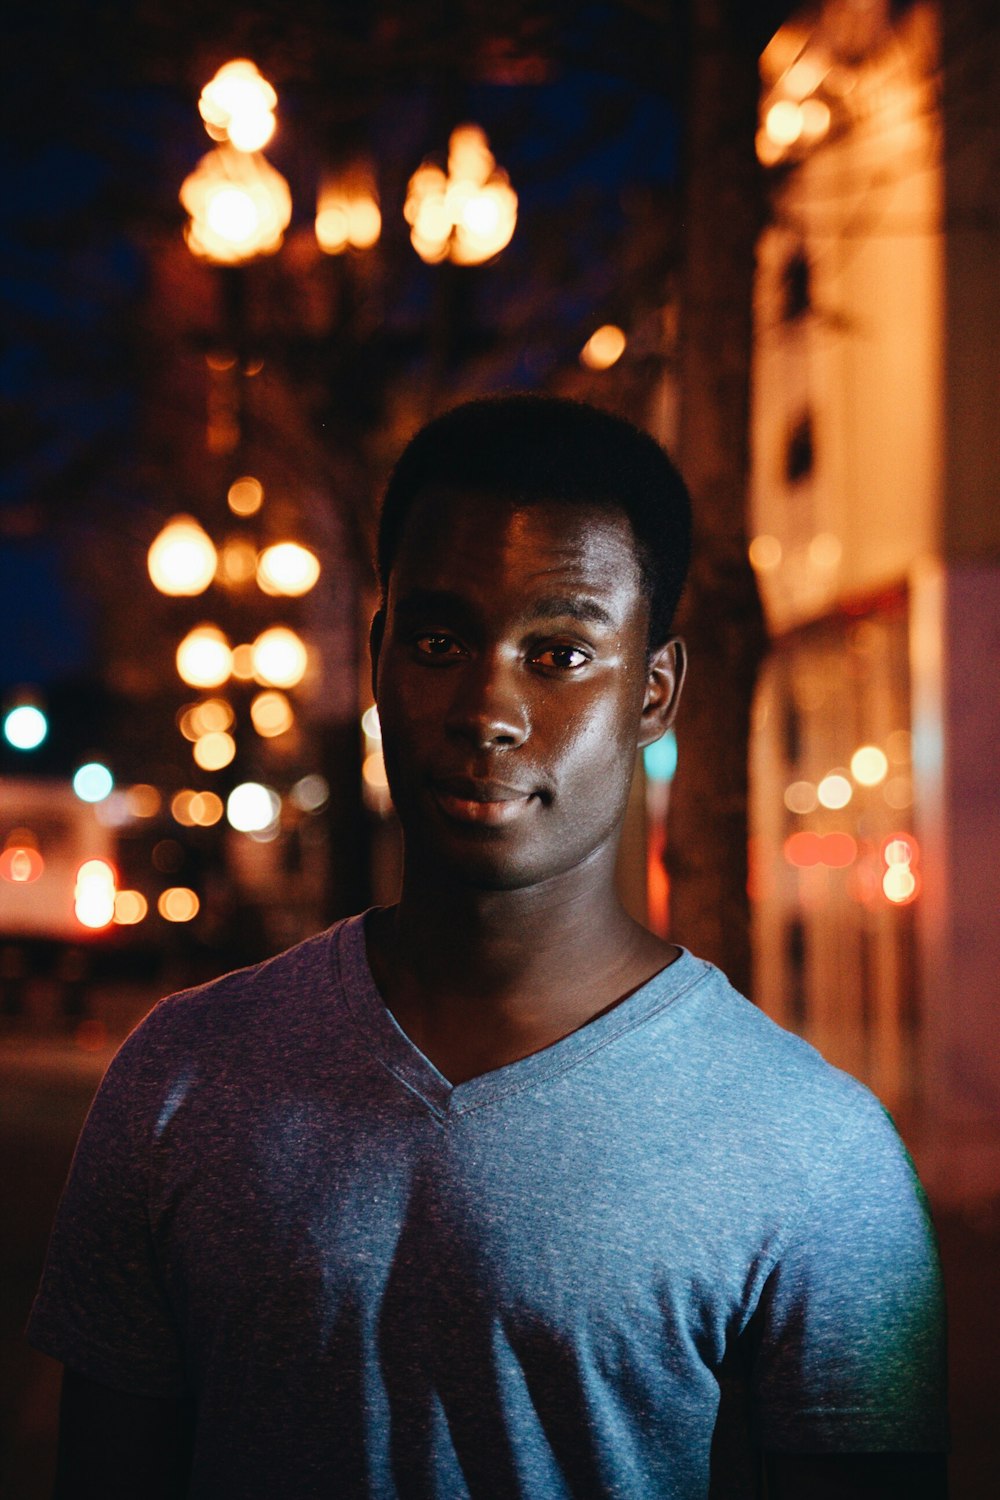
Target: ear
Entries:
(375, 637)
(664, 680)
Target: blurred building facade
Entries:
(876, 538)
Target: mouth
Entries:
(492, 804)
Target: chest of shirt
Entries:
(527, 1221)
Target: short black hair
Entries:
(531, 448)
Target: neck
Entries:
(478, 978)
(495, 943)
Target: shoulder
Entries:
(234, 1017)
(774, 1090)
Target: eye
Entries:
(437, 645)
(562, 658)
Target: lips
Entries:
(490, 803)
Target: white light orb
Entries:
(204, 658)
(252, 807)
(287, 568)
(25, 727)
(182, 560)
(93, 782)
(280, 658)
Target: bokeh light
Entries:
(287, 568)
(25, 726)
(271, 714)
(869, 765)
(280, 657)
(130, 908)
(468, 215)
(347, 216)
(21, 864)
(604, 348)
(214, 750)
(94, 894)
(237, 562)
(143, 800)
(239, 207)
(204, 658)
(800, 797)
(252, 807)
(238, 105)
(765, 553)
(659, 759)
(311, 793)
(93, 782)
(178, 903)
(182, 559)
(834, 791)
(245, 496)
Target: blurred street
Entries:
(46, 1083)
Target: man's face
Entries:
(511, 680)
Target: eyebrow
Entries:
(576, 606)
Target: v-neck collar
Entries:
(384, 1036)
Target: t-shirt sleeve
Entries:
(101, 1307)
(851, 1353)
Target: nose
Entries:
(487, 709)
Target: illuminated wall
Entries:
(875, 539)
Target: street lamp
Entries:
(467, 215)
(240, 207)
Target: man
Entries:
(492, 1193)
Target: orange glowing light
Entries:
(94, 894)
(130, 908)
(178, 903)
(238, 105)
(245, 496)
(468, 215)
(239, 207)
(21, 864)
(604, 348)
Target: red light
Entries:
(900, 849)
(803, 849)
(835, 850)
(839, 850)
(21, 865)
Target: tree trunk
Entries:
(721, 615)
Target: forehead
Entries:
(454, 537)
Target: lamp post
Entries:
(239, 209)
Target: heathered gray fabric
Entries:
(532, 1285)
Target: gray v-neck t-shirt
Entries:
(617, 1267)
